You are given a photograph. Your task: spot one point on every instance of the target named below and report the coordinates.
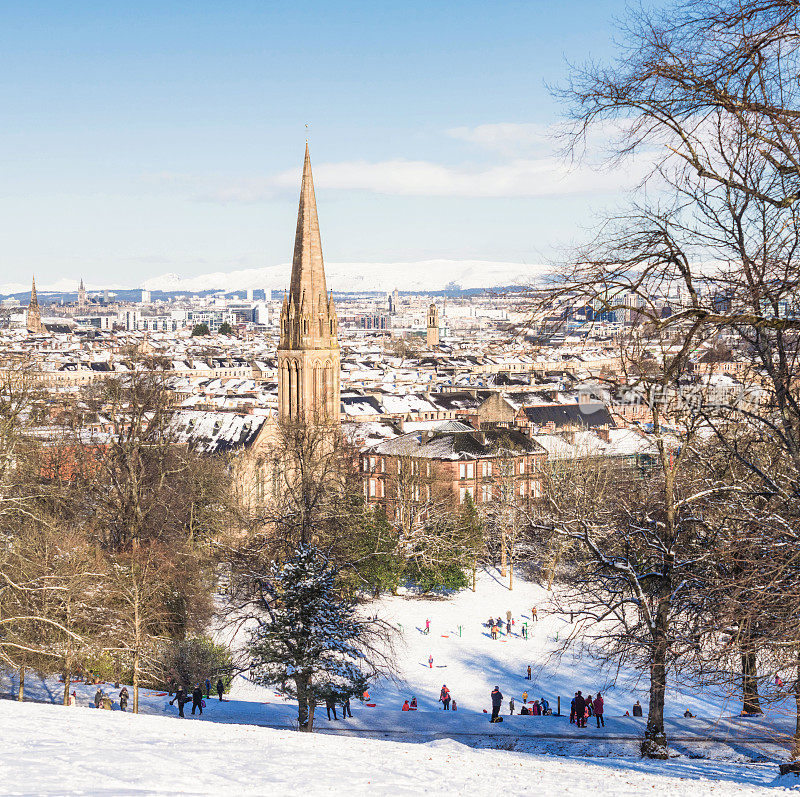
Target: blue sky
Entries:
(139, 139)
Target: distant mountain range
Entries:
(422, 276)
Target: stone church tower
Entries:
(432, 333)
(81, 295)
(34, 316)
(308, 353)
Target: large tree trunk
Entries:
(655, 739)
(303, 719)
(21, 689)
(750, 700)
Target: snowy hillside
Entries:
(426, 275)
(454, 751)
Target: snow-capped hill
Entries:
(425, 275)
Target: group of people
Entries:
(330, 706)
(537, 708)
(412, 706)
(182, 696)
(495, 626)
(584, 707)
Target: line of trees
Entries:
(106, 533)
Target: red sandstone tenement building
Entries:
(452, 461)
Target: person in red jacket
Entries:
(598, 710)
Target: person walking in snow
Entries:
(508, 629)
(589, 705)
(430, 661)
(197, 699)
(494, 630)
(508, 617)
(497, 701)
(124, 697)
(444, 696)
(572, 710)
(524, 630)
(73, 699)
(330, 705)
(637, 709)
(346, 708)
(208, 689)
(511, 706)
(98, 698)
(598, 710)
(220, 688)
(534, 614)
(524, 697)
(181, 699)
(528, 677)
(427, 626)
(580, 710)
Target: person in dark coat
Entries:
(580, 709)
(220, 688)
(124, 697)
(572, 709)
(330, 705)
(637, 709)
(208, 688)
(511, 706)
(181, 699)
(598, 710)
(346, 708)
(497, 701)
(197, 699)
(98, 697)
(444, 697)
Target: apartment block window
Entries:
(522, 488)
(466, 470)
(522, 466)
(463, 492)
(536, 489)
(486, 493)
(487, 468)
(373, 488)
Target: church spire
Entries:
(308, 269)
(34, 317)
(308, 352)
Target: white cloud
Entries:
(521, 177)
(525, 165)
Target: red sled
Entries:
(371, 705)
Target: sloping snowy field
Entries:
(51, 750)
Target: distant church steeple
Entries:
(34, 317)
(308, 353)
(81, 295)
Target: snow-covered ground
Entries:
(449, 752)
(49, 750)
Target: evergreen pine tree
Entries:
(309, 641)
